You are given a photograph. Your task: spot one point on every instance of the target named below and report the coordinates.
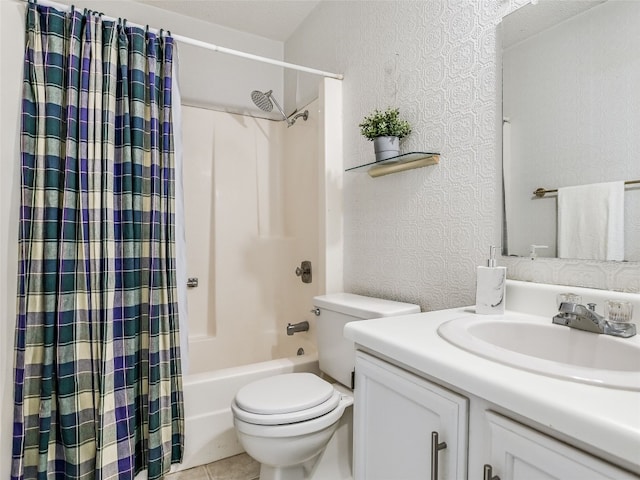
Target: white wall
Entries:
(418, 235)
(570, 93)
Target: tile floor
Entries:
(238, 467)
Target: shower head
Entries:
(262, 100)
(265, 101)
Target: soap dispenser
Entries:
(490, 286)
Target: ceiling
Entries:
(532, 18)
(273, 19)
(279, 19)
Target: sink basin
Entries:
(535, 344)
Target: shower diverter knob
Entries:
(304, 271)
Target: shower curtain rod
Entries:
(216, 48)
(258, 58)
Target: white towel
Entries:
(591, 221)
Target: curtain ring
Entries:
(73, 8)
(168, 33)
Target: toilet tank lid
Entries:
(363, 307)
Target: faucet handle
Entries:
(568, 298)
(592, 306)
(568, 307)
(618, 311)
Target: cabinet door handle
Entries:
(488, 473)
(436, 446)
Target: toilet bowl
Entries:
(286, 421)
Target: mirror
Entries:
(571, 107)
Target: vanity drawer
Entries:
(521, 453)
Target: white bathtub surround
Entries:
(603, 422)
(246, 231)
(259, 199)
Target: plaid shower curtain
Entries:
(98, 391)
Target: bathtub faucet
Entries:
(297, 327)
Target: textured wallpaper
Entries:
(418, 236)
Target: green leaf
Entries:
(384, 123)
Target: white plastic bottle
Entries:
(491, 286)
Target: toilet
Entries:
(286, 421)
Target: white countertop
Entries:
(606, 419)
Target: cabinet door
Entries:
(521, 453)
(395, 414)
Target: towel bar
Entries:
(541, 192)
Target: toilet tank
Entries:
(336, 354)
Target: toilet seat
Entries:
(285, 399)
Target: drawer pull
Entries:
(488, 473)
(436, 446)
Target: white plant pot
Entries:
(386, 147)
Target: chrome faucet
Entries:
(297, 327)
(578, 316)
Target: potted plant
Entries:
(385, 128)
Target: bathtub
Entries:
(209, 432)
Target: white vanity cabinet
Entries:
(406, 427)
(521, 453)
(397, 412)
